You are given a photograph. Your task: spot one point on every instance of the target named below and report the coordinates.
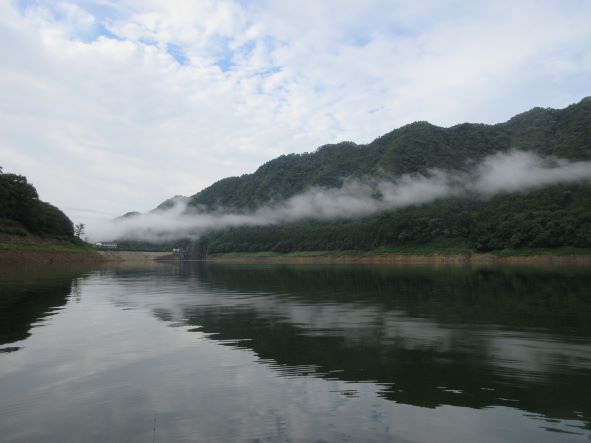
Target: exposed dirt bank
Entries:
(31, 249)
(48, 257)
(476, 259)
(131, 255)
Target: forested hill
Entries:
(21, 211)
(413, 148)
(551, 217)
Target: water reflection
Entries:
(348, 348)
(27, 296)
(458, 336)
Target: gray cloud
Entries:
(504, 172)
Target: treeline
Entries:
(21, 211)
(548, 218)
(414, 148)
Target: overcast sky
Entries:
(113, 106)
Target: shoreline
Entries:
(8, 257)
(20, 256)
(32, 249)
(49, 257)
(411, 259)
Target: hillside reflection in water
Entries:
(298, 353)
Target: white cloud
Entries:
(504, 172)
(116, 106)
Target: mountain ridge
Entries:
(412, 148)
(554, 216)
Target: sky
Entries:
(114, 106)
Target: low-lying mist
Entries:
(504, 172)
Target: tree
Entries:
(79, 230)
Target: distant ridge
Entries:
(556, 216)
(413, 148)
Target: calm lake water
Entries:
(188, 352)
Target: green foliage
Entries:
(79, 230)
(22, 211)
(414, 148)
(12, 227)
(548, 218)
(558, 216)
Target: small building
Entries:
(106, 245)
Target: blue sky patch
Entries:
(224, 55)
(267, 72)
(102, 15)
(177, 53)
(225, 63)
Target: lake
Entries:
(219, 353)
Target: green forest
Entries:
(414, 148)
(22, 213)
(551, 217)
